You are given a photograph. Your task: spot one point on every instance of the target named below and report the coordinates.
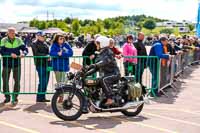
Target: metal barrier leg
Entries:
(13, 98)
(164, 93)
(173, 86)
(152, 91)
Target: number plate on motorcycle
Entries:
(90, 81)
(75, 66)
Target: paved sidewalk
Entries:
(178, 113)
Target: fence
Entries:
(174, 67)
(24, 73)
(147, 70)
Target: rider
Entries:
(107, 65)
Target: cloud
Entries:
(20, 10)
(73, 4)
(91, 5)
(27, 2)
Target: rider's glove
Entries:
(92, 66)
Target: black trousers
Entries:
(106, 82)
(16, 76)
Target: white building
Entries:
(173, 24)
(18, 26)
(183, 28)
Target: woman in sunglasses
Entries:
(60, 52)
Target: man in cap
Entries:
(160, 50)
(41, 48)
(12, 48)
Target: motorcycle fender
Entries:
(69, 87)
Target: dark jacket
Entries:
(61, 63)
(8, 47)
(171, 50)
(141, 51)
(88, 51)
(40, 49)
(106, 62)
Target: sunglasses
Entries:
(61, 38)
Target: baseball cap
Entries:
(40, 33)
(12, 29)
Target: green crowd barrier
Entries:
(21, 76)
(145, 71)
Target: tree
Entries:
(107, 23)
(89, 29)
(119, 28)
(50, 24)
(68, 20)
(139, 25)
(62, 25)
(34, 23)
(42, 25)
(149, 24)
(100, 25)
(166, 31)
(55, 22)
(75, 26)
(81, 22)
(111, 26)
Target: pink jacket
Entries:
(129, 50)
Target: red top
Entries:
(116, 51)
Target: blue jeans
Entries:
(43, 75)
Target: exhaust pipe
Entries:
(129, 105)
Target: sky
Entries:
(12, 11)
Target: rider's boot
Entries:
(85, 106)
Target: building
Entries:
(20, 27)
(173, 24)
(182, 26)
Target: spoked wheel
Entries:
(134, 112)
(67, 109)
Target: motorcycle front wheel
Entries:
(67, 109)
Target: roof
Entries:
(18, 26)
(53, 30)
(29, 30)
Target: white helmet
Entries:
(96, 36)
(104, 41)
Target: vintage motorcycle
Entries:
(70, 98)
